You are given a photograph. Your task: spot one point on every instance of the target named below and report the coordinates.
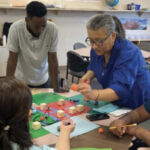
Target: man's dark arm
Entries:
(53, 69)
(11, 63)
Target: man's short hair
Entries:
(36, 9)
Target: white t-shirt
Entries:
(32, 65)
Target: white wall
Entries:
(3, 60)
(82, 4)
(71, 26)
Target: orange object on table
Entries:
(74, 87)
(100, 130)
(41, 118)
(84, 98)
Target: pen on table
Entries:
(128, 125)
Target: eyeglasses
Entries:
(97, 42)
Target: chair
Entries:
(76, 65)
(78, 45)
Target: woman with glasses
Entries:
(117, 64)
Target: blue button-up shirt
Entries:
(124, 73)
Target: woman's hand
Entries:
(87, 91)
(67, 126)
(85, 79)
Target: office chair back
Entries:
(76, 65)
(78, 45)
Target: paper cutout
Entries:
(46, 98)
(106, 108)
(120, 112)
(41, 131)
(82, 126)
(54, 107)
(90, 103)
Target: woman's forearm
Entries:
(89, 74)
(107, 95)
(63, 142)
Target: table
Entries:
(84, 52)
(105, 140)
(90, 139)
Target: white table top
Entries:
(83, 51)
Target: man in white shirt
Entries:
(32, 44)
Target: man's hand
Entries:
(132, 130)
(119, 130)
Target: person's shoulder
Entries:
(129, 46)
(18, 24)
(51, 29)
(51, 24)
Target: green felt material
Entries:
(46, 98)
(41, 132)
(87, 148)
(88, 103)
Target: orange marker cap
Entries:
(100, 130)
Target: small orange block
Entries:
(74, 87)
(41, 118)
(100, 130)
(84, 98)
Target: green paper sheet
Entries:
(46, 98)
(42, 131)
(89, 103)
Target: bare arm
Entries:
(53, 69)
(12, 63)
(107, 95)
(143, 134)
(135, 116)
(63, 142)
(87, 77)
